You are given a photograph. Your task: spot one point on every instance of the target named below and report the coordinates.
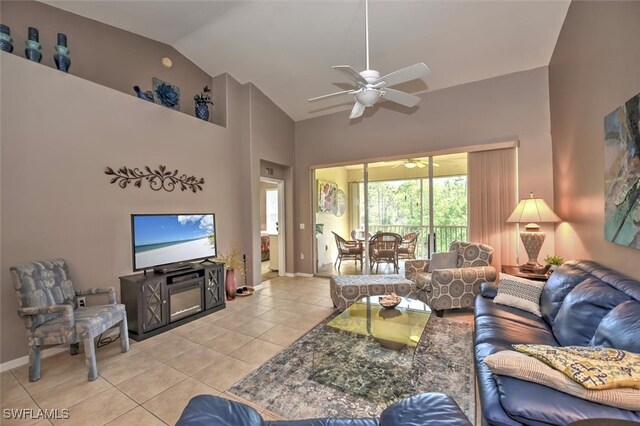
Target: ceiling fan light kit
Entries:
(370, 87)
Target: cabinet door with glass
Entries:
(214, 286)
(154, 297)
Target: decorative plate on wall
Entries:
(339, 203)
(166, 94)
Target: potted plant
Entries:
(554, 261)
(202, 103)
(232, 260)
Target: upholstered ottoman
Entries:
(347, 289)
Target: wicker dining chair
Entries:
(407, 249)
(351, 250)
(383, 248)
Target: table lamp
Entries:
(532, 211)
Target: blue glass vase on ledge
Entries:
(61, 56)
(202, 103)
(32, 52)
(6, 42)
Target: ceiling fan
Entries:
(412, 163)
(370, 87)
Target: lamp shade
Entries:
(533, 210)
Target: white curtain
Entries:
(492, 186)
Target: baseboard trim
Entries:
(304, 275)
(289, 274)
(24, 360)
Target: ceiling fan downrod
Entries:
(366, 30)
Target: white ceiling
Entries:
(287, 47)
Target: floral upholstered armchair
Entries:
(46, 302)
(453, 288)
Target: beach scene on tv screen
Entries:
(163, 239)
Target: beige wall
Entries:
(594, 69)
(509, 107)
(59, 132)
(271, 140)
(110, 56)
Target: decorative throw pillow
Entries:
(591, 367)
(524, 367)
(443, 260)
(519, 293)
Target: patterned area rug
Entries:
(443, 363)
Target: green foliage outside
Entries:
(398, 202)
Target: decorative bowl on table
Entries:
(390, 301)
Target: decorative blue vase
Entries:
(6, 42)
(61, 56)
(202, 111)
(32, 52)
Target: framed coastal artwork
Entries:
(622, 174)
(326, 193)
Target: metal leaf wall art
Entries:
(158, 179)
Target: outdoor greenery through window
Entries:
(397, 206)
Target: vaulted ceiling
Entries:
(287, 47)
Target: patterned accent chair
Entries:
(46, 302)
(456, 287)
(407, 249)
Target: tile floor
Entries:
(152, 383)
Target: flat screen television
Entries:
(165, 239)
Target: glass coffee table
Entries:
(368, 350)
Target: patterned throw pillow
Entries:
(519, 293)
(592, 367)
(443, 260)
(524, 367)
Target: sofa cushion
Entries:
(531, 403)
(620, 328)
(435, 409)
(485, 306)
(503, 333)
(592, 367)
(444, 260)
(583, 309)
(488, 389)
(521, 366)
(559, 284)
(519, 293)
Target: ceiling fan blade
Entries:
(357, 110)
(401, 98)
(421, 165)
(405, 74)
(351, 73)
(344, 92)
(397, 165)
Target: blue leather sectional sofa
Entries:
(427, 409)
(582, 304)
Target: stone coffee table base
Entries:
(347, 289)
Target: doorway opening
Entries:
(272, 229)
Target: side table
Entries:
(515, 271)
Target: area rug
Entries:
(284, 385)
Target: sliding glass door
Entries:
(424, 200)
